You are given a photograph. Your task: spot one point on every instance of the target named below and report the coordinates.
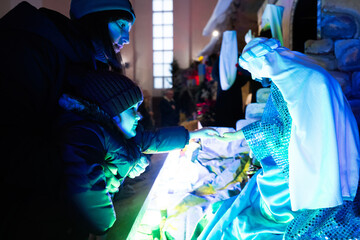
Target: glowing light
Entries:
(215, 33)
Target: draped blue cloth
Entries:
(307, 143)
(263, 209)
(256, 213)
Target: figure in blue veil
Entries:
(307, 143)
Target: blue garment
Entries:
(257, 213)
(263, 208)
(309, 157)
(324, 147)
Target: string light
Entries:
(215, 33)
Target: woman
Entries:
(107, 24)
(38, 47)
(102, 143)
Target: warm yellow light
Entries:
(215, 33)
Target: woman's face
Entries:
(119, 33)
(127, 121)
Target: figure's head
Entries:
(169, 93)
(115, 94)
(253, 55)
(106, 22)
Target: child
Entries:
(102, 144)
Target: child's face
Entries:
(127, 121)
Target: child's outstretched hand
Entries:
(139, 167)
(203, 133)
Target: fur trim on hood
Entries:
(88, 110)
(94, 113)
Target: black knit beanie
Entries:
(80, 8)
(111, 91)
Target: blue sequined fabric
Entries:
(271, 135)
(341, 222)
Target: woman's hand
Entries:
(139, 167)
(203, 133)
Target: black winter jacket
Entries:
(37, 48)
(97, 158)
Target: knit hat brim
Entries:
(111, 91)
(80, 8)
(122, 101)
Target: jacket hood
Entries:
(87, 110)
(79, 110)
(51, 25)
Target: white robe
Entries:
(228, 60)
(324, 145)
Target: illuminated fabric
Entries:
(341, 222)
(324, 142)
(273, 16)
(254, 213)
(263, 209)
(228, 60)
(338, 222)
(276, 121)
(308, 145)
